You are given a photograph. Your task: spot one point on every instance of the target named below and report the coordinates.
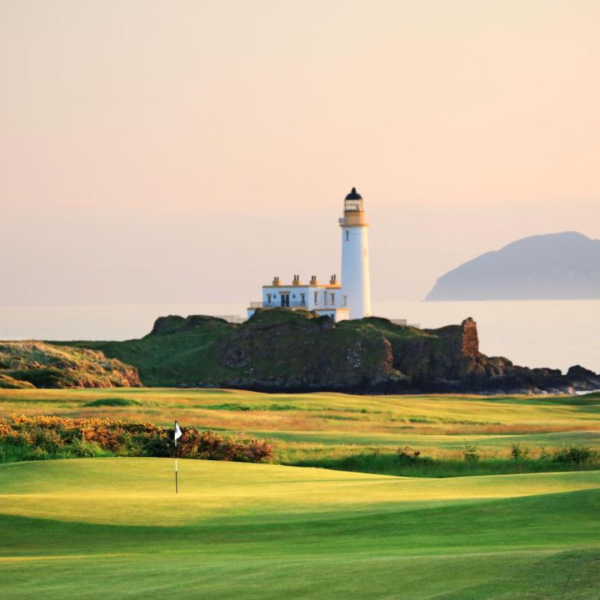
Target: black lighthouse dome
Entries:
(353, 195)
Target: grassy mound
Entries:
(43, 365)
(114, 527)
(112, 402)
(10, 383)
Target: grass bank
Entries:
(390, 464)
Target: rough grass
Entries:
(36, 364)
(329, 429)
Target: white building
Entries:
(349, 300)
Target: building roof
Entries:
(353, 195)
(291, 286)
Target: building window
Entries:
(316, 297)
(347, 235)
(303, 299)
(268, 298)
(332, 299)
(345, 300)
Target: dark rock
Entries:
(579, 371)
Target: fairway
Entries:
(98, 527)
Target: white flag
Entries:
(178, 433)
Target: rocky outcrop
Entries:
(43, 365)
(287, 351)
(282, 350)
(470, 338)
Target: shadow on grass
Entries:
(390, 464)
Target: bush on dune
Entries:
(34, 438)
(577, 455)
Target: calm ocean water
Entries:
(534, 334)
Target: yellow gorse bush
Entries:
(48, 435)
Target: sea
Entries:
(556, 334)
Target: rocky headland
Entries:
(285, 351)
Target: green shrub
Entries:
(81, 448)
(13, 452)
(39, 454)
(544, 454)
(471, 452)
(408, 456)
(577, 455)
(160, 446)
(519, 452)
(48, 440)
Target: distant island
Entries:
(559, 266)
(280, 350)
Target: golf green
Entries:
(115, 528)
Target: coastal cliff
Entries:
(285, 351)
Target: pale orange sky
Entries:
(187, 151)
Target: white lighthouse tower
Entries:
(356, 285)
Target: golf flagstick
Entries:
(177, 435)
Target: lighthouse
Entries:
(356, 285)
(348, 299)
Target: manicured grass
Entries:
(115, 528)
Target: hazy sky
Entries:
(158, 151)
